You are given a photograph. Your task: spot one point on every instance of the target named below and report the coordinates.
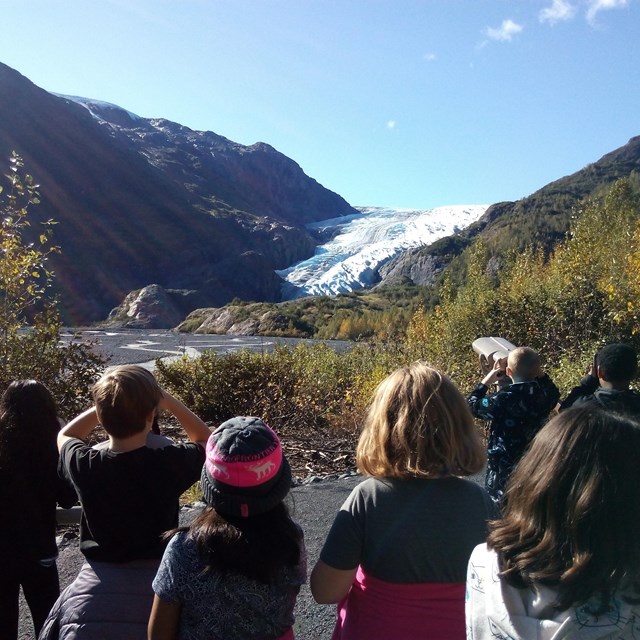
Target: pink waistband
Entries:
(375, 609)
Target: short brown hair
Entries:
(419, 425)
(124, 397)
(524, 362)
(572, 513)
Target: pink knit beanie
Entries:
(245, 472)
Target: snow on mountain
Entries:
(98, 107)
(362, 243)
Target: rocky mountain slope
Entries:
(146, 201)
(541, 219)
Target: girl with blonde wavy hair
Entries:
(395, 558)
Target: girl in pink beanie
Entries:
(236, 570)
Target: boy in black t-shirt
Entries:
(129, 495)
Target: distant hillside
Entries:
(542, 219)
(352, 316)
(147, 201)
(411, 278)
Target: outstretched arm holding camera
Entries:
(483, 406)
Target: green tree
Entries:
(566, 307)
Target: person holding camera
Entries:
(607, 382)
(515, 413)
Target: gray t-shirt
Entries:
(411, 530)
(226, 606)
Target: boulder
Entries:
(151, 307)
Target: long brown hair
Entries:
(256, 547)
(572, 512)
(419, 425)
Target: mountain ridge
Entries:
(540, 220)
(146, 201)
(133, 212)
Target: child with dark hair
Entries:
(515, 413)
(396, 555)
(607, 382)
(29, 490)
(236, 570)
(564, 561)
(129, 494)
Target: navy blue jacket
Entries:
(515, 413)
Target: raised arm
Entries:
(79, 428)
(195, 428)
(483, 406)
(587, 387)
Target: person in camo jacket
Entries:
(515, 413)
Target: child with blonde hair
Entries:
(395, 558)
(515, 413)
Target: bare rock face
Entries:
(412, 267)
(238, 320)
(151, 307)
(228, 320)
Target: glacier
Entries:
(360, 244)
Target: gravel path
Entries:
(313, 507)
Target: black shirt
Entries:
(129, 499)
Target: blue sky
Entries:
(405, 103)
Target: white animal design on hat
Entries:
(263, 470)
(218, 469)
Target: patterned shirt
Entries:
(226, 606)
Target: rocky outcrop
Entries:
(151, 307)
(423, 265)
(412, 267)
(239, 320)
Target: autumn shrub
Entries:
(307, 387)
(29, 323)
(566, 306)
